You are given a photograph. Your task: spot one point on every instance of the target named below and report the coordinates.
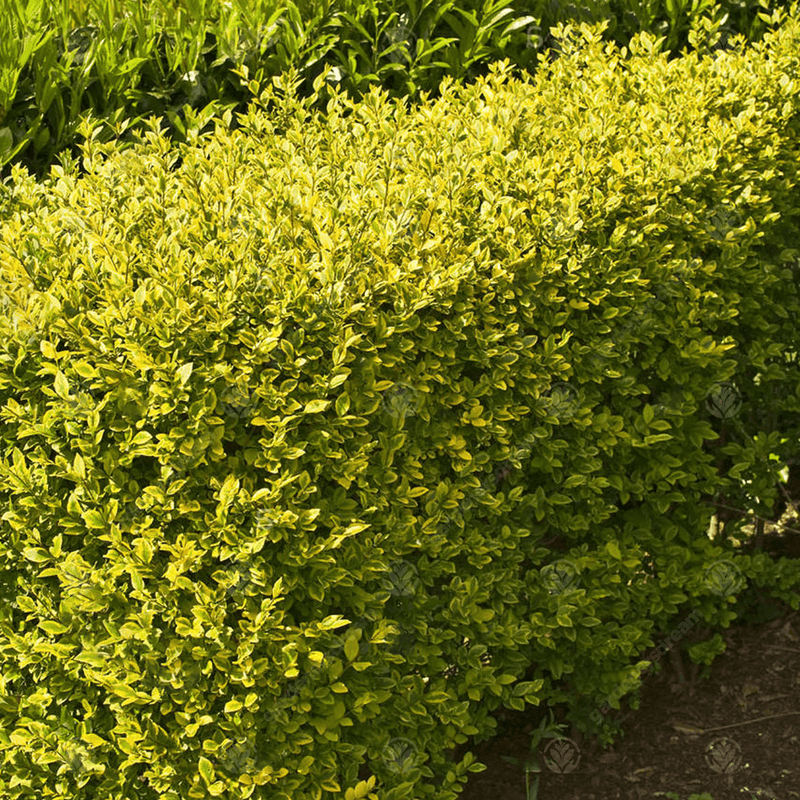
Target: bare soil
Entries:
(734, 733)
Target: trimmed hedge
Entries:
(319, 447)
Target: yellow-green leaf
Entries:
(315, 406)
(94, 519)
(613, 548)
(185, 372)
(62, 385)
(351, 648)
(206, 770)
(232, 706)
(52, 627)
(48, 350)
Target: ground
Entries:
(735, 734)
(757, 677)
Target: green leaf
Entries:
(351, 648)
(613, 548)
(206, 770)
(521, 22)
(36, 554)
(94, 519)
(185, 372)
(52, 627)
(6, 141)
(315, 406)
(342, 404)
(62, 385)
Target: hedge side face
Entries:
(318, 448)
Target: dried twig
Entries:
(691, 729)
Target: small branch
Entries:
(699, 731)
(786, 649)
(749, 514)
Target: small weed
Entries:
(546, 730)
